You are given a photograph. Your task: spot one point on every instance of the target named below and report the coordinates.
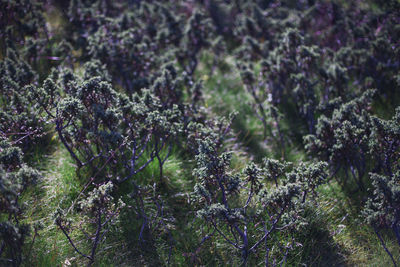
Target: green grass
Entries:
(58, 187)
(357, 241)
(223, 94)
(336, 234)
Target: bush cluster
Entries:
(119, 86)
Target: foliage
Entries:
(20, 121)
(15, 178)
(235, 220)
(343, 139)
(130, 88)
(382, 208)
(100, 210)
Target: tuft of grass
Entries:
(356, 240)
(224, 93)
(58, 187)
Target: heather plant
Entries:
(288, 80)
(384, 143)
(265, 104)
(168, 85)
(20, 19)
(84, 19)
(342, 140)
(133, 94)
(256, 30)
(196, 36)
(98, 209)
(15, 178)
(127, 44)
(219, 193)
(163, 23)
(382, 208)
(20, 121)
(364, 44)
(293, 72)
(130, 46)
(105, 130)
(217, 129)
(24, 28)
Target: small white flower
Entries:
(67, 262)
